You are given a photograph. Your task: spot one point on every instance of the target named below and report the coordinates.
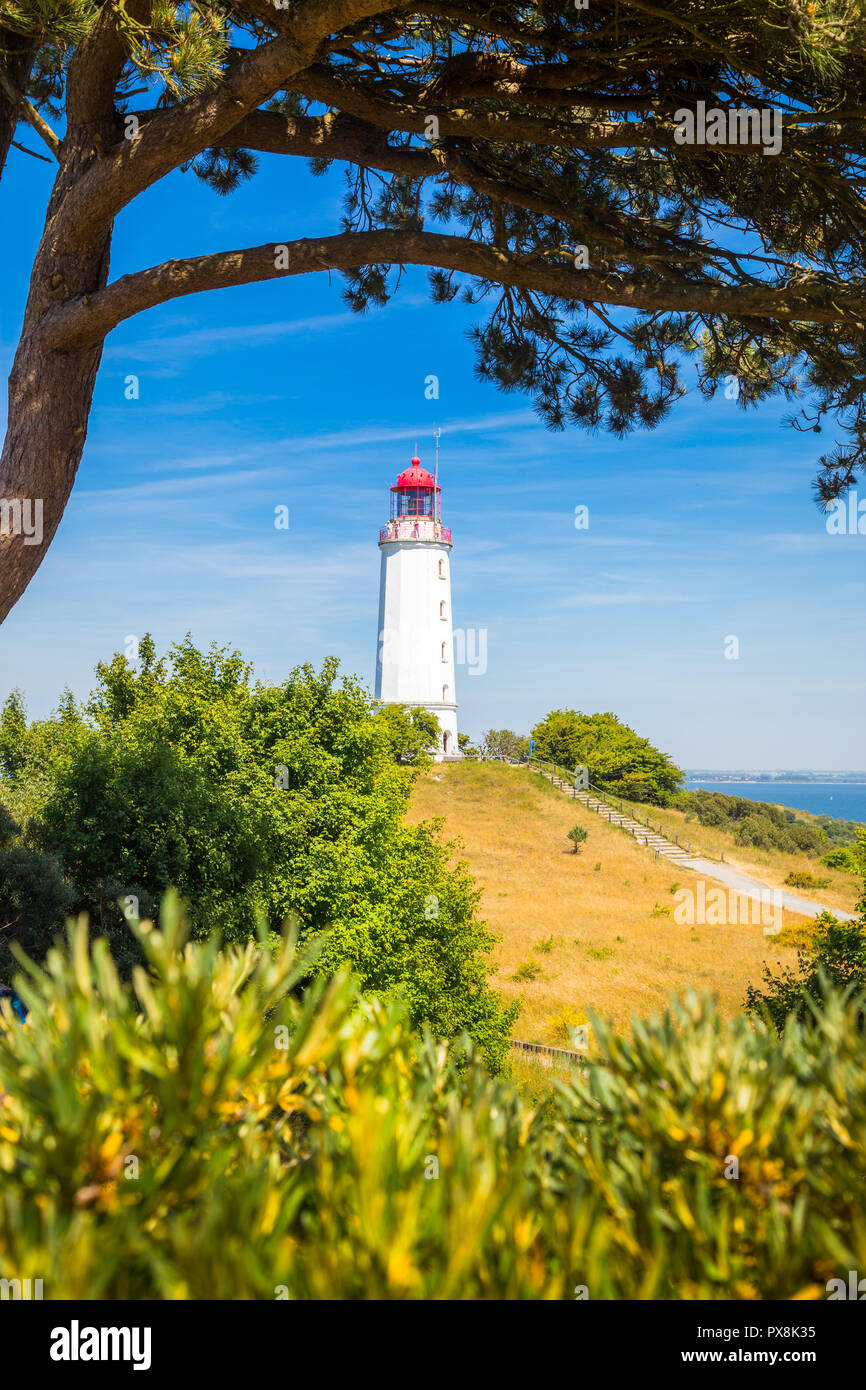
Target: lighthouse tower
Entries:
(415, 664)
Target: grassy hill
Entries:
(591, 930)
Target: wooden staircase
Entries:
(645, 834)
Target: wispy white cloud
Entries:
(236, 337)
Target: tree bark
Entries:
(18, 57)
(50, 394)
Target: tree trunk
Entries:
(50, 394)
(17, 55)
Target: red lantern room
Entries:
(415, 494)
(416, 509)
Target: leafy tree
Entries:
(466, 746)
(504, 744)
(34, 894)
(578, 834)
(534, 158)
(13, 728)
(619, 761)
(264, 803)
(414, 733)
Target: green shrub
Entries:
(850, 858)
(504, 745)
(528, 970)
(765, 826)
(205, 1131)
(842, 857)
(802, 880)
(833, 958)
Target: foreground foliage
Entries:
(204, 1131)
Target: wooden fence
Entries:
(547, 1055)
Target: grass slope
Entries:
(608, 951)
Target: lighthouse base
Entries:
(449, 749)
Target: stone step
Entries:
(649, 839)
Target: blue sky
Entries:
(276, 395)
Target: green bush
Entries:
(842, 857)
(505, 745)
(833, 958)
(801, 880)
(528, 970)
(205, 1131)
(850, 858)
(258, 800)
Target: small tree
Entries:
(577, 834)
(505, 745)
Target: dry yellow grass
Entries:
(609, 952)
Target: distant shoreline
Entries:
(840, 798)
(786, 779)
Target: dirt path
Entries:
(753, 888)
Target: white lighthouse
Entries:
(415, 663)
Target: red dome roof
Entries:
(416, 476)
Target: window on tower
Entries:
(445, 694)
(415, 501)
(441, 569)
(444, 651)
(442, 612)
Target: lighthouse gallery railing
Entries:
(402, 530)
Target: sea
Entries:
(844, 800)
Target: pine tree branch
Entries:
(86, 321)
(24, 150)
(31, 115)
(178, 133)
